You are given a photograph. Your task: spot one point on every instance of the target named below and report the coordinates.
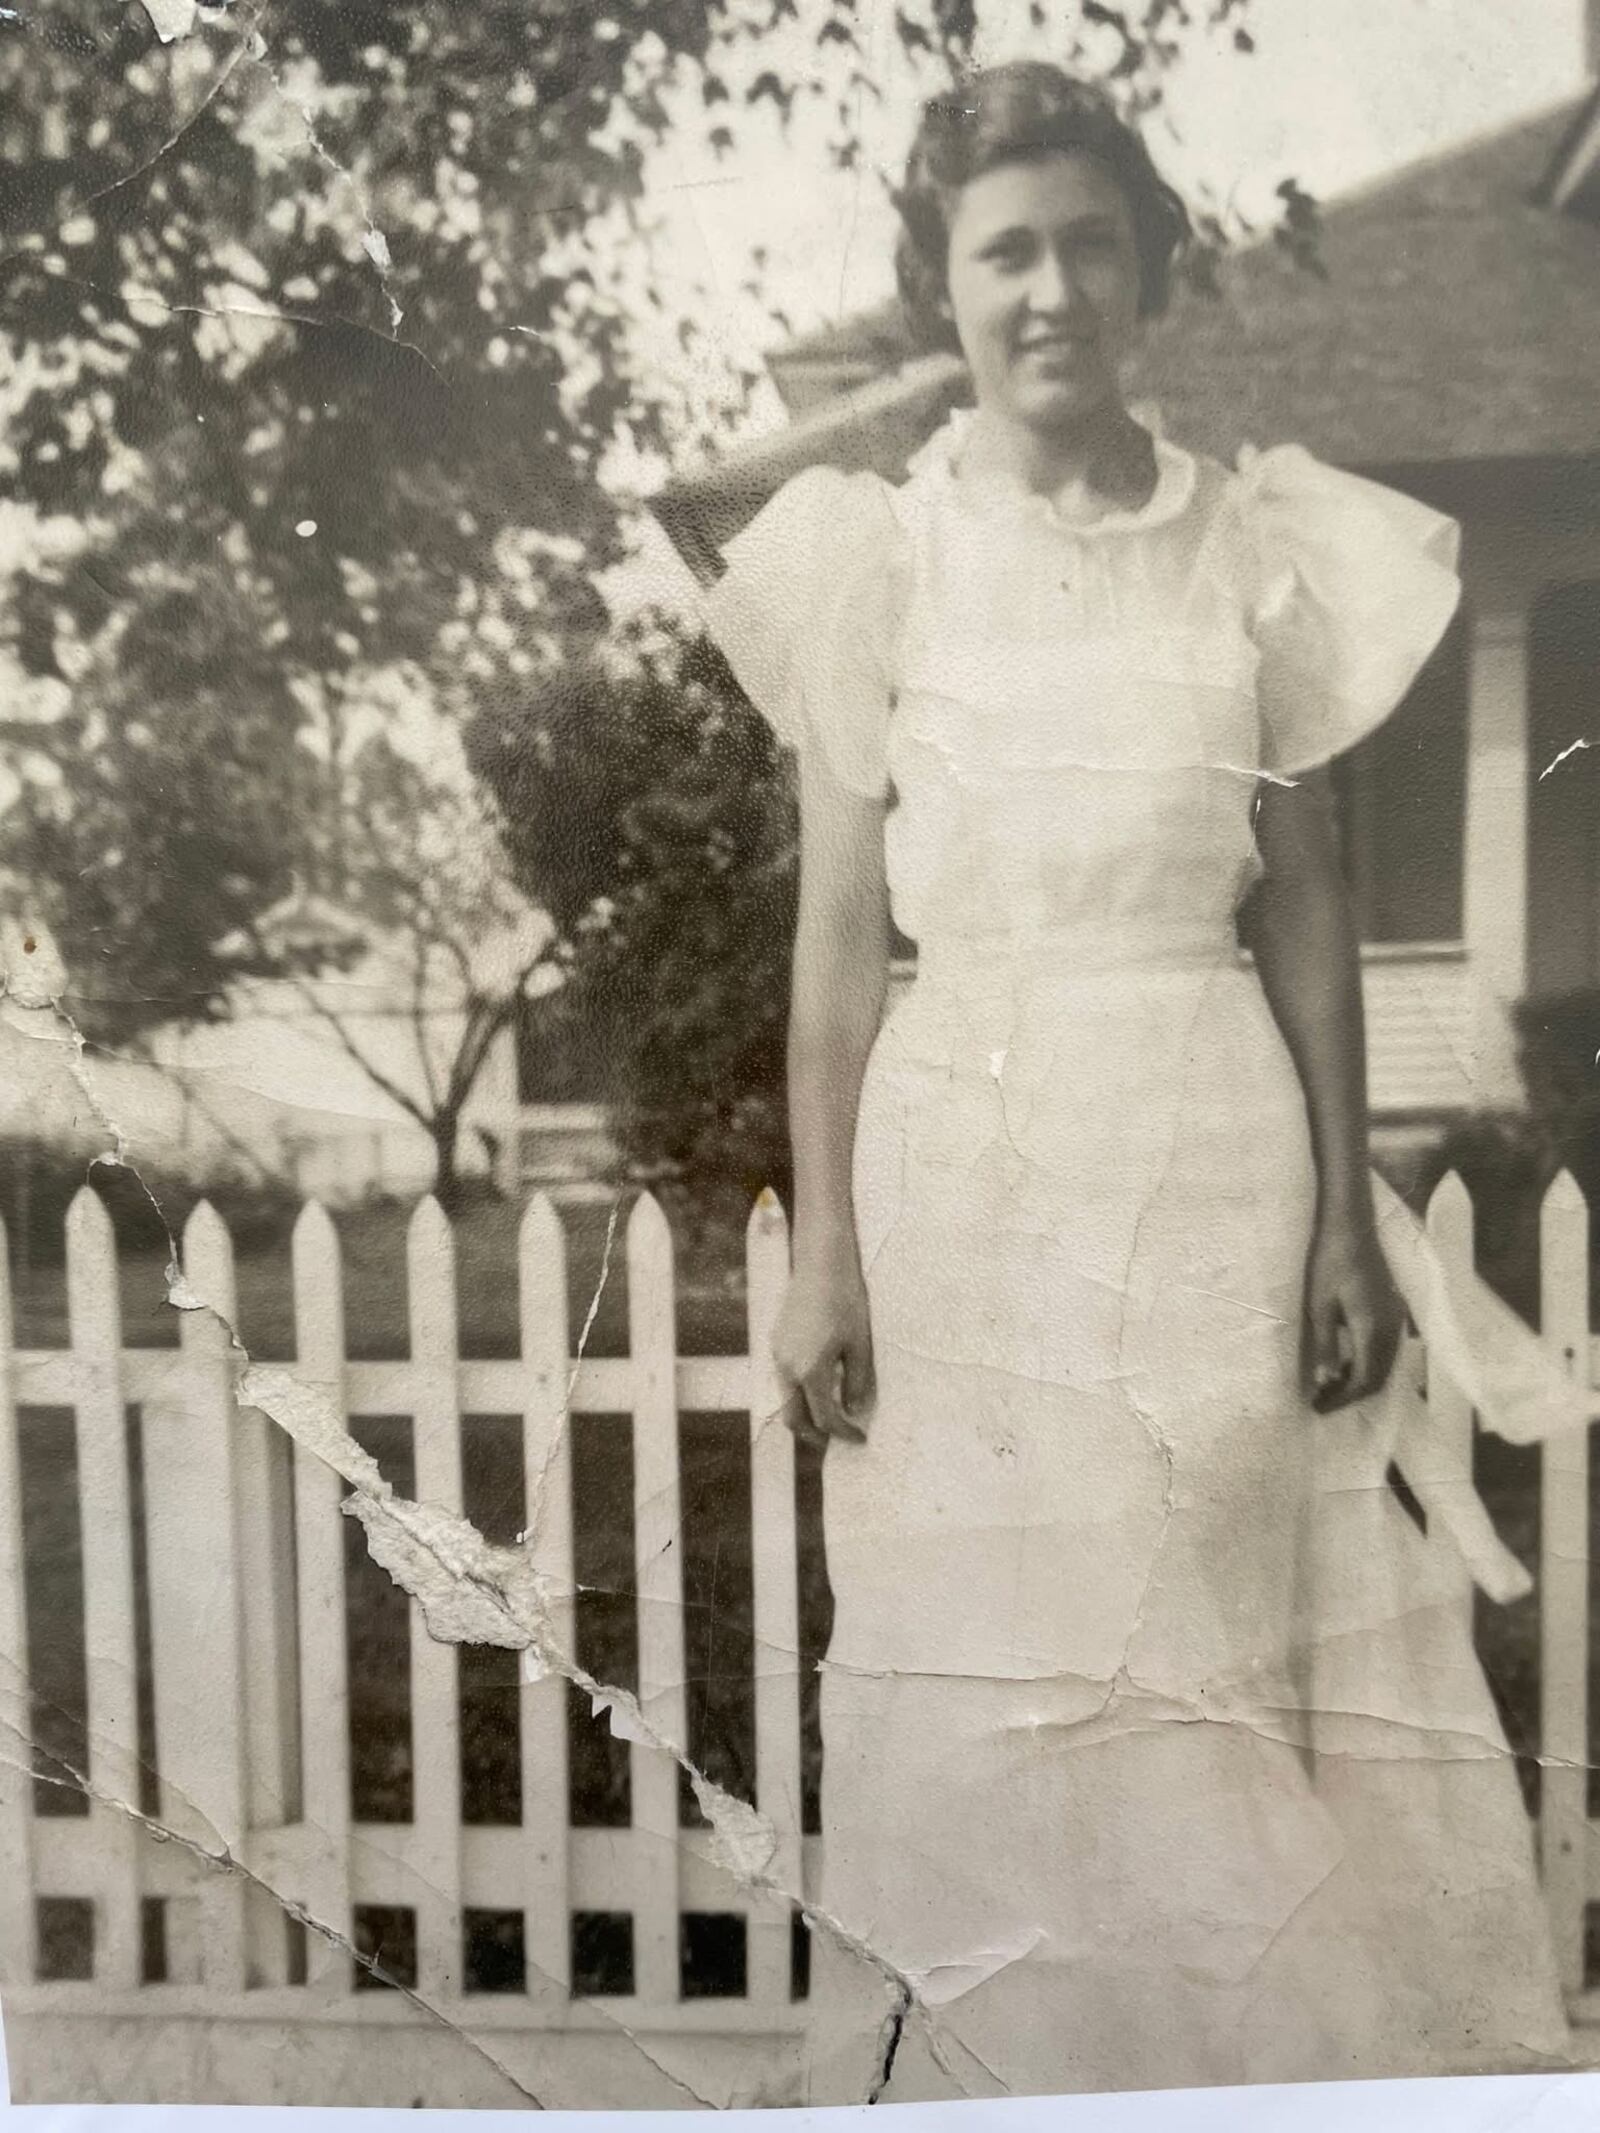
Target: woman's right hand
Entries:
(822, 1348)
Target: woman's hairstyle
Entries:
(1016, 114)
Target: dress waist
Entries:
(1096, 946)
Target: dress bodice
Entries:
(1069, 720)
(1072, 747)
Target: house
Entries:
(1451, 348)
(272, 1090)
(320, 1080)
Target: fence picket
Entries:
(652, 1347)
(190, 1445)
(1450, 1225)
(435, 1671)
(777, 1599)
(94, 1318)
(1564, 1561)
(264, 1514)
(16, 1714)
(319, 1551)
(547, 1465)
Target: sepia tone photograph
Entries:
(799, 1049)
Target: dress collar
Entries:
(933, 467)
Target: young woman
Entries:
(1156, 1751)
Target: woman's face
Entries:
(1043, 285)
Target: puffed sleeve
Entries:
(807, 613)
(1354, 585)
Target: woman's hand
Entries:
(1353, 1314)
(822, 1346)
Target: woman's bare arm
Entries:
(1300, 928)
(841, 971)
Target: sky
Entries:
(1337, 93)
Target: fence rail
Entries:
(201, 1572)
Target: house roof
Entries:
(1458, 318)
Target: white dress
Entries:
(1155, 1748)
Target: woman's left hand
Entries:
(1353, 1315)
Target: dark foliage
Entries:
(39, 1181)
(647, 811)
(1508, 1159)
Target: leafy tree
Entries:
(369, 270)
(317, 323)
(172, 765)
(321, 322)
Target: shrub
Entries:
(1507, 1159)
(40, 1179)
(1558, 1046)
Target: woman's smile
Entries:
(1055, 348)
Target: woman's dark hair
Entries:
(1016, 114)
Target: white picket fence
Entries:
(199, 1984)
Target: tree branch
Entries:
(394, 1090)
(419, 1016)
(485, 1021)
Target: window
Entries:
(63, 1939)
(385, 1940)
(712, 1960)
(493, 1956)
(1402, 805)
(154, 1968)
(602, 1953)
